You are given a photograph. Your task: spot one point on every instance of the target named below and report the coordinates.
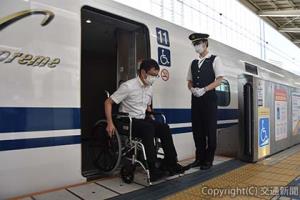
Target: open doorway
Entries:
(111, 47)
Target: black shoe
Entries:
(156, 174)
(177, 169)
(196, 163)
(206, 166)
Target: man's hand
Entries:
(151, 117)
(111, 129)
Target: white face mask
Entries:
(150, 79)
(200, 48)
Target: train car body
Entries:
(56, 60)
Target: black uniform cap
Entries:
(194, 37)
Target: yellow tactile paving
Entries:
(259, 177)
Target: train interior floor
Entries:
(277, 177)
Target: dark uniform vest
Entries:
(204, 76)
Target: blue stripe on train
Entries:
(189, 129)
(38, 119)
(6, 145)
(45, 119)
(184, 115)
(18, 144)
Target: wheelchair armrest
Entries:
(121, 116)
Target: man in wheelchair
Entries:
(135, 97)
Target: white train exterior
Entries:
(41, 85)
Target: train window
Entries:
(223, 93)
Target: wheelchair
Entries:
(122, 150)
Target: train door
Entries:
(111, 48)
(265, 128)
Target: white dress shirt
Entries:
(134, 97)
(217, 65)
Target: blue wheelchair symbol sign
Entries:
(164, 57)
(264, 132)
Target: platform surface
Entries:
(277, 177)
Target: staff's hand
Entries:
(111, 129)
(200, 92)
(194, 91)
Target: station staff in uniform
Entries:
(204, 75)
(135, 97)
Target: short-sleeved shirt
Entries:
(134, 97)
(217, 65)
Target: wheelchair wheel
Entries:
(127, 173)
(107, 151)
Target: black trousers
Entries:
(147, 130)
(204, 126)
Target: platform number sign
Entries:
(162, 37)
(163, 53)
(264, 133)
